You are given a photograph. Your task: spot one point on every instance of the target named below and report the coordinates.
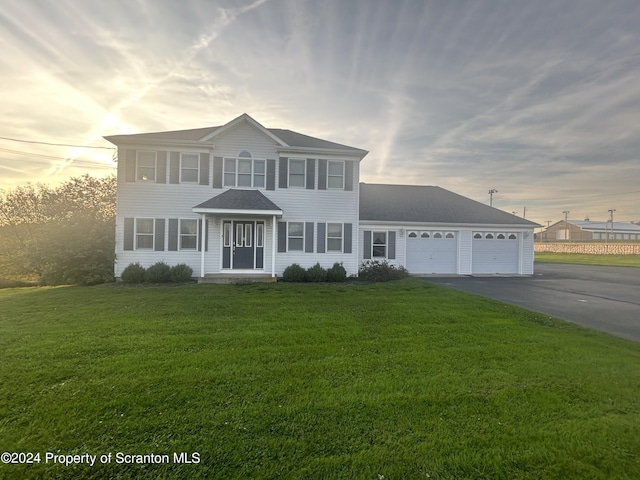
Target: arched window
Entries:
(512, 236)
(450, 235)
(501, 236)
(244, 154)
(477, 235)
(413, 235)
(437, 235)
(489, 236)
(424, 234)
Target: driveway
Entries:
(602, 298)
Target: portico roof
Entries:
(238, 201)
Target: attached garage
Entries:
(430, 251)
(438, 231)
(495, 252)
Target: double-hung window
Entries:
(335, 175)
(297, 173)
(334, 237)
(144, 233)
(188, 234)
(244, 171)
(146, 166)
(379, 244)
(295, 236)
(189, 165)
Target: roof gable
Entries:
(428, 204)
(238, 120)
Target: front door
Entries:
(243, 250)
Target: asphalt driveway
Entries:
(602, 298)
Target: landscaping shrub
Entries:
(159, 272)
(294, 273)
(181, 273)
(133, 273)
(316, 274)
(337, 273)
(381, 271)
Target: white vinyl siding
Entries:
(146, 166)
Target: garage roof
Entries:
(428, 204)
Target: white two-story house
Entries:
(242, 199)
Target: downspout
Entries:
(273, 247)
(202, 242)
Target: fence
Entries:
(591, 248)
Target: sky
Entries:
(537, 100)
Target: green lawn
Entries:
(584, 259)
(397, 381)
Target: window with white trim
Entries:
(379, 244)
(297, 173)
(244, 171)
(259, 235)
(226, 234)
(295, 236)
(335, 175)
(146, 166)
(188, 234)
(144, 233)
(189, 167)
(334, 237)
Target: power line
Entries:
(74, 163)
(54, 144)
(39, 155)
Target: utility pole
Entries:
(611, 219)
(566, 225)
(491, 192)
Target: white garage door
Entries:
(495, 252)
(432, 251)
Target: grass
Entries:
(385, 381)
(585, 259)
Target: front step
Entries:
(236, 278)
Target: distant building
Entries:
(586, 230)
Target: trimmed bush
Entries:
(316, 274)
(133, 273)
(181, 273)
(159, 272)
(294, 273)
(381, 271)
(337, 273)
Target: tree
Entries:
(59, 235)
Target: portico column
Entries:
(203, 246)
(273, 247)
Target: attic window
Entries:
(244, 154)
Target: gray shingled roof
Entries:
(427, 204)
(240, 200)
(289, 137)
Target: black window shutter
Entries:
(271, 174)
(283, 181)
(204, 169)
(322, 233)
(173, 234)
(217, 172)
(205, 235)
(348, 175)
(174, 167)
(159, 243)
(391, 255)
(322, 174)
(282, 236)
(161, 167)
(308, 237)
(200, 230)
(130, 165)
(366, 252)
(348, 237)
(311, 171)
(128, 234)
